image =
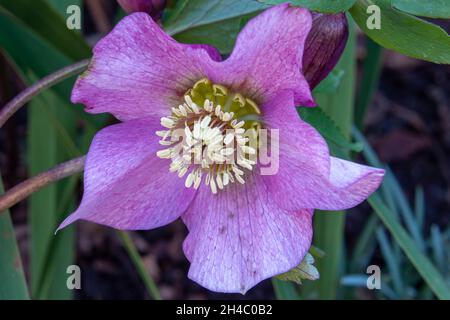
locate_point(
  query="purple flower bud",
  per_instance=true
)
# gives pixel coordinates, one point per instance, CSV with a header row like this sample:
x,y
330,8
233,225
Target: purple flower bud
x,y
153,7
324,46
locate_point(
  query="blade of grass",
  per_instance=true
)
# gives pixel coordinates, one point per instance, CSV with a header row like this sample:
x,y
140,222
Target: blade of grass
x,y
13,285
438,248
149,283
365,245
405,209
422,264
419,207
391,260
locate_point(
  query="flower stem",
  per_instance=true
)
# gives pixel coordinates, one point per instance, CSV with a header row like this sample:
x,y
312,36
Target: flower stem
x,y
24,189
149,283
22,98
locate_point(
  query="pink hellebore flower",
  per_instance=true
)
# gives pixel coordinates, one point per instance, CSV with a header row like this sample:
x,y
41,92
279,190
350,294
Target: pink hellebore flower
x,y
244,227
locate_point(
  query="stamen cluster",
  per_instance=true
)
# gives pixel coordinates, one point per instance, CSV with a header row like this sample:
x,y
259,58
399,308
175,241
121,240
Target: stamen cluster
x,y
207,141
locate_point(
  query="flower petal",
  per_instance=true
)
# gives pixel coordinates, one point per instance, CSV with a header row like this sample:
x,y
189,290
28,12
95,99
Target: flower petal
x,y
307,176
324,46
138,71
214,54
238,237
126,186
268,55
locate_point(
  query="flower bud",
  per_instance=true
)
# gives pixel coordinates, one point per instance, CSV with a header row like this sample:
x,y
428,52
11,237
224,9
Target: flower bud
x,y
153,7
324,46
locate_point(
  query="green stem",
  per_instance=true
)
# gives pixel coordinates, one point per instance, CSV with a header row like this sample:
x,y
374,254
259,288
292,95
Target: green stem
x,y
371,76
149,283
32,185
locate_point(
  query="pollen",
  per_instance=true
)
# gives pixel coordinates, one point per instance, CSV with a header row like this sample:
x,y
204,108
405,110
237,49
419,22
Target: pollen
x,y
211,137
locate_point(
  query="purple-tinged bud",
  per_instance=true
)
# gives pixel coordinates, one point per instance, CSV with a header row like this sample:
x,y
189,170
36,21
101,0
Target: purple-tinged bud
x,y
324,46
153,7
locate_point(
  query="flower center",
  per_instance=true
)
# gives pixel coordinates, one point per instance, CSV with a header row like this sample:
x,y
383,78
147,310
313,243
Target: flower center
x,y
212,134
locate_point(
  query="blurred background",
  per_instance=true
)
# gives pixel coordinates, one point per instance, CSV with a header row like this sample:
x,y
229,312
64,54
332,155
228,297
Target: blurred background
x,y
406,129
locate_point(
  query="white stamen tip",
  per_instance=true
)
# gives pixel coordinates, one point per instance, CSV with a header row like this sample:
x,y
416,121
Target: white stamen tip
x,y
248,150
213,186
164,154
167,122
189,180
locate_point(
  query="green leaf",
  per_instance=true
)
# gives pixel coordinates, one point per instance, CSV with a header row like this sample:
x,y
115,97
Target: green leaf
x,y
213,22
404,33
45,151
196,13
26,49
220,35
331,83
426,8
44,20
327,128
325,6
305,270
12,278
61,5
422,264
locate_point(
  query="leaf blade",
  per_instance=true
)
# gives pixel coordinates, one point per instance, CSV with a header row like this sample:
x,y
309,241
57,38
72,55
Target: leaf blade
x,y
13,285
404,33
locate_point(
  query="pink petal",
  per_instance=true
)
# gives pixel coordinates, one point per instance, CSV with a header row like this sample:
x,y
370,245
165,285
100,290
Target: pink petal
x,y
268,55
214,54
239,237
307,176
126,186
138,71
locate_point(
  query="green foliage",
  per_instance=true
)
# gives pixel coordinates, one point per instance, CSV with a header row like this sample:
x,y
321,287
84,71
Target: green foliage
x,y
422,264
404,33
285,290
305,270
26,40
43,19
426,8
45,149
12,278
328,129
325,6
331,83
212,22
412,244
370,77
